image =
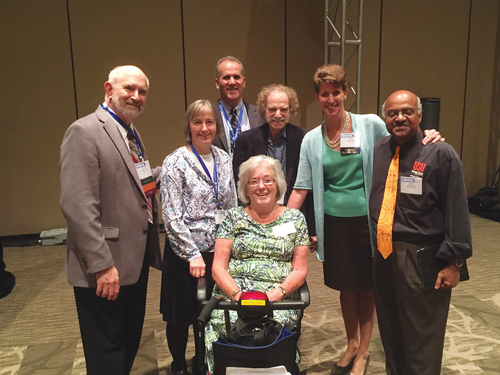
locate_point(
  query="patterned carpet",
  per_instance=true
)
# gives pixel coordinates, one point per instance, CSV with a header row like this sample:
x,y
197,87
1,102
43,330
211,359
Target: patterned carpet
x,y
39,329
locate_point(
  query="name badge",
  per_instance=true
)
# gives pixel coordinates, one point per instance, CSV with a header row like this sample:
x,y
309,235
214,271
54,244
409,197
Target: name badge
x,y
146,177
350,143
283,229
219,215
411,185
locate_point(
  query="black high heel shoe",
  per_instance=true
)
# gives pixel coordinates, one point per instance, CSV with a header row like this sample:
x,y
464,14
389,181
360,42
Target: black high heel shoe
x,y
366,365
342,370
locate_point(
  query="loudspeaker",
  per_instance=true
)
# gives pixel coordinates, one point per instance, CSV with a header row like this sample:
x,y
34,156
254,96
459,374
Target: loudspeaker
x,y
430,113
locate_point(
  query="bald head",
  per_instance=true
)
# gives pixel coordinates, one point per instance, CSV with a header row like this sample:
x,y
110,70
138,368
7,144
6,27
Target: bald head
x,y
118,72
403,113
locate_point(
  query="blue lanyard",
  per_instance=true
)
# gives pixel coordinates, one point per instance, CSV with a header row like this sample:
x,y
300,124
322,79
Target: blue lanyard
x,y
127,128
234,135
215,181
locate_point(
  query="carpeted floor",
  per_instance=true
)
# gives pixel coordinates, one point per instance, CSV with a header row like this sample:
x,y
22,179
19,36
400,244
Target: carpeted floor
x,y
39,331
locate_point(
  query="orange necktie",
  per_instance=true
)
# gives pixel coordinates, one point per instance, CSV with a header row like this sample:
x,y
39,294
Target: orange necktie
x,y
386,218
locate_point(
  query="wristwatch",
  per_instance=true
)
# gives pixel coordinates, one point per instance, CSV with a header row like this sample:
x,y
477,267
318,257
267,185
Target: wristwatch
x,y
282,290
459,262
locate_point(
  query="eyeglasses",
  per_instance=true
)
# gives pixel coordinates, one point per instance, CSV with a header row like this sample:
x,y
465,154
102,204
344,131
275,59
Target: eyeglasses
x,y
407,112
265,181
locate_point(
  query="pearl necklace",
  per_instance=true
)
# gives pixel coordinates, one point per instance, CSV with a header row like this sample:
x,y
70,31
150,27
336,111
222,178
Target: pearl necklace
x,y
336,143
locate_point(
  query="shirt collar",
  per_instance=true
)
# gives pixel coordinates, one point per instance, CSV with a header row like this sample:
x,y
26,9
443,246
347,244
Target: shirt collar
x,y
282,135
417,139
227,107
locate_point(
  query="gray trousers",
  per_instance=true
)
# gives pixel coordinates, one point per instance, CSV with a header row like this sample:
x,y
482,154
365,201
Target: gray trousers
x,y
412,321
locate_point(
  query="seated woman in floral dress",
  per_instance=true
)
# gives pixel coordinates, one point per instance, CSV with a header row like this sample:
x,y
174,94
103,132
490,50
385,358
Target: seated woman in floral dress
x,y
262,246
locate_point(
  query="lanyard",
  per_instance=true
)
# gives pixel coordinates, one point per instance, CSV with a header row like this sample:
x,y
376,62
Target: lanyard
x,y
215,181
127,128
234,135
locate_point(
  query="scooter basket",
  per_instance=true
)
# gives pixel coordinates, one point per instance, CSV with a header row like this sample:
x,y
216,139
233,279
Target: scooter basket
x,y
281,352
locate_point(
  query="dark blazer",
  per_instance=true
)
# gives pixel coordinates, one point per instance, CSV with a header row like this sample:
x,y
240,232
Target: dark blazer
x,y
254,118
104,204
254,142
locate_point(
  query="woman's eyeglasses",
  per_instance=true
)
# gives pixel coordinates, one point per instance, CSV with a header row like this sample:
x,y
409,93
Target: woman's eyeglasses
x,y
265,181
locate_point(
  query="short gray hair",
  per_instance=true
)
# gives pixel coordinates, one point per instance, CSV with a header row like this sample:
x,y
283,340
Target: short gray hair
x,y
228,58
118,72
248,168
193,110
419,107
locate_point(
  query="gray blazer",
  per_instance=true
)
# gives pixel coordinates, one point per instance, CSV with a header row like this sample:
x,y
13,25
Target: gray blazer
x,y
104,204
254,118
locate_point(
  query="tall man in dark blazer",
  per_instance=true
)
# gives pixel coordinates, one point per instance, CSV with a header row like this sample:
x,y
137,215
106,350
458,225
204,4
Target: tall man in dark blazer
x,y
108,200
234,115
276,138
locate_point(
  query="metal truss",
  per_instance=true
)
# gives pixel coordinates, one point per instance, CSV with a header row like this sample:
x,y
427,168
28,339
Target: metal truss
x,y
346,42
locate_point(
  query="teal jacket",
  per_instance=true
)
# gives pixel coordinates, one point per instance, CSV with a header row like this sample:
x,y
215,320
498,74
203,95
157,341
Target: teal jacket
x,y
310,172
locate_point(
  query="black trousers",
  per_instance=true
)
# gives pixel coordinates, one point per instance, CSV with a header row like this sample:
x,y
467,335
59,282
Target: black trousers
x,y
412,321
111,330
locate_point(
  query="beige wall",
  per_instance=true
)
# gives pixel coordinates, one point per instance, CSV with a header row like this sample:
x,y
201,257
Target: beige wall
x,y
423,49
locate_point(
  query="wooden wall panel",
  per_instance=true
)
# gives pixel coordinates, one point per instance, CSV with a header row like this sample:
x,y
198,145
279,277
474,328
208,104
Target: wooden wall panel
x,y
304,54
479,124
119,32
252,31
493,161
424,50
369,96
37,105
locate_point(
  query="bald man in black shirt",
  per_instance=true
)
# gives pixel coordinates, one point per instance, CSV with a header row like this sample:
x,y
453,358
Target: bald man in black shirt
x,y
431,211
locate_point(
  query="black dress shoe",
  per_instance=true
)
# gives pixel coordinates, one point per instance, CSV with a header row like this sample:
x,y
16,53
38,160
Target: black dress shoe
x,y
342,370
195,368
182,371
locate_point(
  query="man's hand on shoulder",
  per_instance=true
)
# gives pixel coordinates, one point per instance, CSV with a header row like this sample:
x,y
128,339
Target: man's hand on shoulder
x,y
448,277
108,283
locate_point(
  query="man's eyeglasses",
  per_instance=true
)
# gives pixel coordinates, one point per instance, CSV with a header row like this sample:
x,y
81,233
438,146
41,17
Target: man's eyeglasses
x,y
407,112
265,181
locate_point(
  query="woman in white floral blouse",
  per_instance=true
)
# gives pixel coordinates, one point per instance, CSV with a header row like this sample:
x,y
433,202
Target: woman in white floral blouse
x,y
197,187
262,246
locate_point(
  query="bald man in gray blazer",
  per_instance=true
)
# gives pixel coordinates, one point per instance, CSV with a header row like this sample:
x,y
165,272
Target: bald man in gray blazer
x,y
112,218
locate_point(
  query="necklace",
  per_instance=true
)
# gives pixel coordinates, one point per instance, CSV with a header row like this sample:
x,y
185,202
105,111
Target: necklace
x,y
336,143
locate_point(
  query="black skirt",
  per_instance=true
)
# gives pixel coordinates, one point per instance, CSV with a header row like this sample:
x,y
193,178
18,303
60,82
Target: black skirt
x,y
178,301
347,262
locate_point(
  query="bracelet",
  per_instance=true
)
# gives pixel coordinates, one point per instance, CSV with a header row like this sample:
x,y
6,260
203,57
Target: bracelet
x,y
282,289
235,293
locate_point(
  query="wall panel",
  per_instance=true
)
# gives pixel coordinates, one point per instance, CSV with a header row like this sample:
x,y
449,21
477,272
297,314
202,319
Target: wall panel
x,y
37,105
370,57
118,32
479,96
424,50
252,31
304,54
